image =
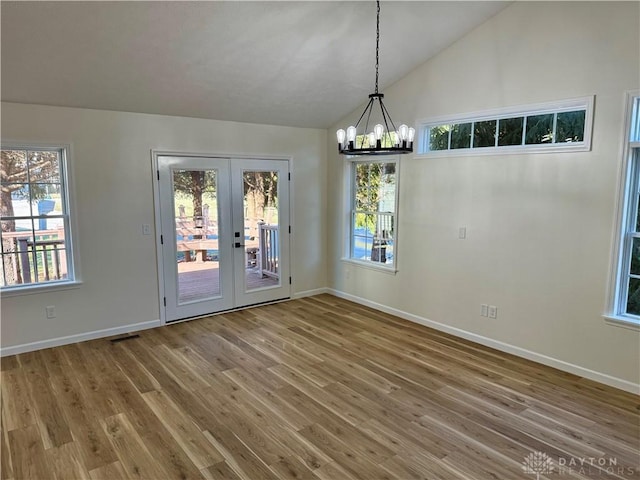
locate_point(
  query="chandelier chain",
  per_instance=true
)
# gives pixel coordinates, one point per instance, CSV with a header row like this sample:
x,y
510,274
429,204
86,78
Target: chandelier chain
x,y
377,41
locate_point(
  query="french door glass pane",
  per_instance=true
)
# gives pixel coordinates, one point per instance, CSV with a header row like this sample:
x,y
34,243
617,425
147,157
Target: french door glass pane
x,y
261,229
196,227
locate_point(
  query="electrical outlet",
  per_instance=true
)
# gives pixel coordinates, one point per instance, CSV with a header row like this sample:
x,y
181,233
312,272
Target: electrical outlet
x,y
146,229
484,310
493,311
50,311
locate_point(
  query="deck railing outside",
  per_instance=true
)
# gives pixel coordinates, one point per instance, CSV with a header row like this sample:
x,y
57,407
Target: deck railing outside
x,y
268,262
38,258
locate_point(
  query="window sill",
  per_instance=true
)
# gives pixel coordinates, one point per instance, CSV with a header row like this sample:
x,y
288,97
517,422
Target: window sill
x,y
510,150
622,322
32,289
391,270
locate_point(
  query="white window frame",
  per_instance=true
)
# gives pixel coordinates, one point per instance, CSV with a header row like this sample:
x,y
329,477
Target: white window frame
x,y
626,209
586,103
73,279
349,209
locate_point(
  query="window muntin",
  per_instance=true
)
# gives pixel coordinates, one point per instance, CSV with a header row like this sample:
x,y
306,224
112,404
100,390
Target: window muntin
x,y
560,126
372,226
34,215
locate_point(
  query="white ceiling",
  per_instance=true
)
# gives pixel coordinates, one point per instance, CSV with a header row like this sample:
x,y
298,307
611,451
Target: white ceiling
x,y
304,64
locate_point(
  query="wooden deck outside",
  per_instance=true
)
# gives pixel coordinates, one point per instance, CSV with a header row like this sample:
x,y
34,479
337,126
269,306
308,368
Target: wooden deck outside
x,y
197,280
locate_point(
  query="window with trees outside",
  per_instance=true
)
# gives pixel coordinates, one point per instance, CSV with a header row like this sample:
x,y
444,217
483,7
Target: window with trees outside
x,y
626,301
373,212
560,126
36,247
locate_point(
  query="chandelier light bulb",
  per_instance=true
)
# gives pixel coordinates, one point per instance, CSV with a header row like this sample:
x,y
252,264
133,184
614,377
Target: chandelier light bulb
x,y
351,134
378,131
403,131
411,135
341,134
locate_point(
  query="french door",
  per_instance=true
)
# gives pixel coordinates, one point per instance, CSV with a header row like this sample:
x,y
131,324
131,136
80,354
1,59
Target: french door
x,y
224,233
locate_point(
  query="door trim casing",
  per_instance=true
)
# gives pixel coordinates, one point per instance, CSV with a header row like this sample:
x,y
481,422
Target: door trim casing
x,y
155,153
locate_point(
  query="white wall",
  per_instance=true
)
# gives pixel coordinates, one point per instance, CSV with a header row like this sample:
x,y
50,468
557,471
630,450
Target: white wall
x,y
539,226
111,163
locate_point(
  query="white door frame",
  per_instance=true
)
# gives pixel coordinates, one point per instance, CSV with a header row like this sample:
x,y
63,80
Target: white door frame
x,y
157,218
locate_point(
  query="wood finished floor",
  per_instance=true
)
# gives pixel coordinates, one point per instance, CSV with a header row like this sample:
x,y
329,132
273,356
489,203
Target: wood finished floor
x,y
317,388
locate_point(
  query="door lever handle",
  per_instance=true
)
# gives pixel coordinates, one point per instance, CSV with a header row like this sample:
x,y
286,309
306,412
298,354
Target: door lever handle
x,y
239,245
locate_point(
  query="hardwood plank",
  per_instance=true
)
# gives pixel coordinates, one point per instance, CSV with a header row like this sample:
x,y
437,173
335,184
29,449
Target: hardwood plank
x,y
356,464
220,471
135,371
9,363
333,471
85,428
262,442
135,458
400,468
183,430
51,420
289,440
6,468
94,371
290,468
17,405
264,394
433,468
170,458
113,471
240,458
27,454
66,462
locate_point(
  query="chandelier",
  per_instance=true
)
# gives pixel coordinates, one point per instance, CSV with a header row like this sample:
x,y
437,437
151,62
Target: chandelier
x,y
382,140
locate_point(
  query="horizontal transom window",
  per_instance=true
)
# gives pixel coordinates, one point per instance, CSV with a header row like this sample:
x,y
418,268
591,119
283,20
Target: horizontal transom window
x,y
558,126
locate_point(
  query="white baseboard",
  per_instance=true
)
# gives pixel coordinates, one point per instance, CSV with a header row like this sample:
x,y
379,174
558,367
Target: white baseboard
x,y
503,347
80,337
310,293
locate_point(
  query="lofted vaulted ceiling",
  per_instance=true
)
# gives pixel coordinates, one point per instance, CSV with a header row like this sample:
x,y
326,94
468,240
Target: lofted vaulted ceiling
x,y
303,64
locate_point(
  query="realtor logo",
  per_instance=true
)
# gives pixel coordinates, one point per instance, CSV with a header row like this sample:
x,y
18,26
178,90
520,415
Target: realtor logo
x,y
537,463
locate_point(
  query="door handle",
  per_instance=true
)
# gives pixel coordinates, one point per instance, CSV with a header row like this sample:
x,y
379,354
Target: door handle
x,y
239,245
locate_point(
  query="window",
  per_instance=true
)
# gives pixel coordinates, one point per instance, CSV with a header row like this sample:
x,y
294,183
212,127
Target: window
x,y
626,292
35,236
373,212
561,126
